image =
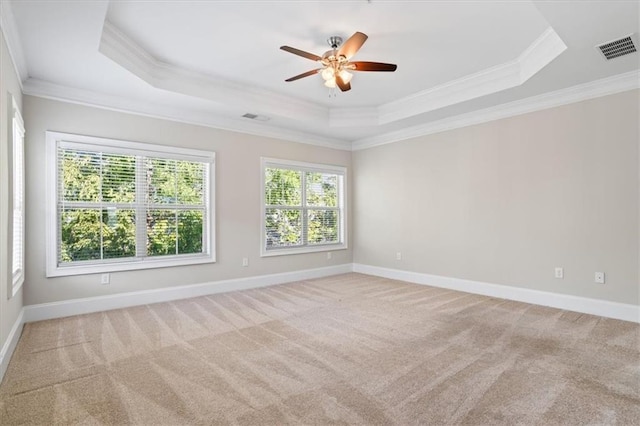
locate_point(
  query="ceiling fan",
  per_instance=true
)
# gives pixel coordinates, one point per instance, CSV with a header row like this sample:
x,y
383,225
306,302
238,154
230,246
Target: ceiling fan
x,y
335,62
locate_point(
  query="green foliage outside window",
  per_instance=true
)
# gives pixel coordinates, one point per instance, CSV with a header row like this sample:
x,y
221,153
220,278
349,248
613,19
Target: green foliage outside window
x,y
294,220
99,206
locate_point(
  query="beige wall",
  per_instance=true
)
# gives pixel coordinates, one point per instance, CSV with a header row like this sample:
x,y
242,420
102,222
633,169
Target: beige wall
x,y
503,202
237,199
9,86
507,201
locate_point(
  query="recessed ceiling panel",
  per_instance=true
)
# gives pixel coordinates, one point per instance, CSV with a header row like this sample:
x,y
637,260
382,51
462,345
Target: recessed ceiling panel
x,y
453,57
432,42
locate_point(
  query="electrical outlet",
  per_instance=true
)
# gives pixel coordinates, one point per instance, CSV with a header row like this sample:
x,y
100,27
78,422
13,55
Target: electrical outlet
x,y
329,255
599,277
245,261
559,273
398,256
104,279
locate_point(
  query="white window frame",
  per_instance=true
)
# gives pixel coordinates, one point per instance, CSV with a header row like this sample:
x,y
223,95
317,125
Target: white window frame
x,y
18,195
265,163
55,139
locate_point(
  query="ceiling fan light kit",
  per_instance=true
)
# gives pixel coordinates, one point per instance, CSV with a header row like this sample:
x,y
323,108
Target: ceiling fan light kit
x,y
335,62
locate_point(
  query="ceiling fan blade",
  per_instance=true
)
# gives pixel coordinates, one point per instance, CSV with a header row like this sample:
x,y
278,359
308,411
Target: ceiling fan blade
x,y
342,85
301,53
304,74
352,45
372,66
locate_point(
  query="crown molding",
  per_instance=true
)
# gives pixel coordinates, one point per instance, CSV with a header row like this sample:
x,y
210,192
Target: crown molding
x,y
12,37
44,89
510,74
594,89
598,88
540,53
469,87
132,57
118,47
124,51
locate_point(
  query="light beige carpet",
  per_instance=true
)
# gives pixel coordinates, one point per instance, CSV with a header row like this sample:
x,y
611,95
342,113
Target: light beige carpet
x,y
346,349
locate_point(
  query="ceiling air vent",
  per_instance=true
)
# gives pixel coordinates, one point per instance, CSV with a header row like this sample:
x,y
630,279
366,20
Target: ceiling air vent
x,y
615,48
256,117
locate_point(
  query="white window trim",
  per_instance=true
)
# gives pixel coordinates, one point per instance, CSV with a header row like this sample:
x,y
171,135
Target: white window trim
x,y
17,138
313,167
53,139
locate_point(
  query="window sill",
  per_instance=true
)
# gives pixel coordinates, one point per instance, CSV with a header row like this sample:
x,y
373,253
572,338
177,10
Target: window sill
x,y
302,250
63,271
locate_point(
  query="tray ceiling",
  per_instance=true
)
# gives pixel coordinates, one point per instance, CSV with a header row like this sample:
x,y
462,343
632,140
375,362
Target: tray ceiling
x,y
212,62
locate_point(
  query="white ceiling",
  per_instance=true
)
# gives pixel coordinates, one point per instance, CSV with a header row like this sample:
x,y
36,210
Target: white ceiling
x,y
210,62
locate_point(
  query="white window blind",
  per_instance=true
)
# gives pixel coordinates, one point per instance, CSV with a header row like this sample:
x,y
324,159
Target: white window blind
x,y
303,207
129,204
18,200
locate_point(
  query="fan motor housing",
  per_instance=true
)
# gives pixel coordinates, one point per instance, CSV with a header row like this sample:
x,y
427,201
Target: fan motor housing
x,y
334,41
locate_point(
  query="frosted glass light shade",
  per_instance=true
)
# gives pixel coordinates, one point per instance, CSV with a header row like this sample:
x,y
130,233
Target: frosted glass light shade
x,y
346,76
328,73
331,83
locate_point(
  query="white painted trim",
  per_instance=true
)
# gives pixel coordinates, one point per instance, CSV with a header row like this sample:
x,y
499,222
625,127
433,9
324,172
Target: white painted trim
x,y
30,313
56,140
45,311
121,49
10,344
341,171
135,148
482,83
594,89
130,264
48,90
12,38
604,308
303,165
66,308
538,55
512,73
17,144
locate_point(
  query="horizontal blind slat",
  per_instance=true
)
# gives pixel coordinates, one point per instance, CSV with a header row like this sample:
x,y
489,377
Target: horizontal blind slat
x,y
113,191
17,264
302,206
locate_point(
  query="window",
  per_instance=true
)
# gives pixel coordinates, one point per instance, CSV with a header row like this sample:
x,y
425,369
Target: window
x,y
17,144
303,207
117,205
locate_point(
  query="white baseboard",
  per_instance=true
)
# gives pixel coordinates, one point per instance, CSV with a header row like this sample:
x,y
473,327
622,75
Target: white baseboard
x,y
604,308
11,343
67,308
621,311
